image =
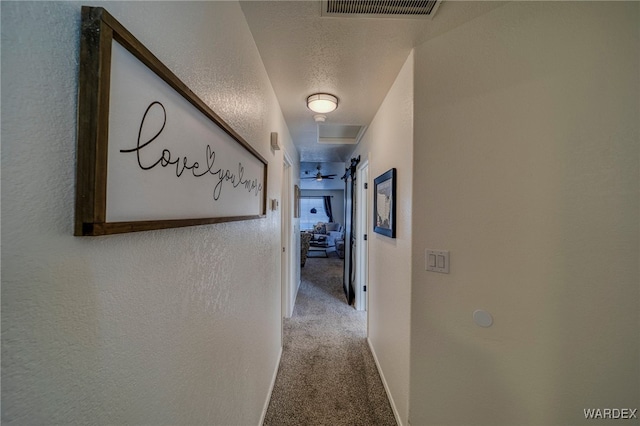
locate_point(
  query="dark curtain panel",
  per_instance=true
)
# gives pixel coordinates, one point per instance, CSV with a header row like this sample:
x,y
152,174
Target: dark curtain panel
x,y
327,207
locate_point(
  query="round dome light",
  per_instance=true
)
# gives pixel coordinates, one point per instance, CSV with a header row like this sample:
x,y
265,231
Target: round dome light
x,y
322,103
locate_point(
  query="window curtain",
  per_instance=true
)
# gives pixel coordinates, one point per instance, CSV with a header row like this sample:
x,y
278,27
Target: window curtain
x,y
327,207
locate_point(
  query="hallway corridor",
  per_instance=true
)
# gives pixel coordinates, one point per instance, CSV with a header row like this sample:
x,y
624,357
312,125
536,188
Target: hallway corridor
x,y
327,374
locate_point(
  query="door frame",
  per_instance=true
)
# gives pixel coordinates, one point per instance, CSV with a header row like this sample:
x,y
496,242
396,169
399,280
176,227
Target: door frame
x,y
286,217
362,247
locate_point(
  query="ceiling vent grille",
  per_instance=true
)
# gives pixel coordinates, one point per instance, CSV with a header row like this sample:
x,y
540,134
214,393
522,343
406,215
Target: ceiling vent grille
x,y
380,8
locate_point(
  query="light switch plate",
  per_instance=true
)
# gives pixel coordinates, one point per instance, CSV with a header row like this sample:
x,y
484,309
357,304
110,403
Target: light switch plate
x,y
437,261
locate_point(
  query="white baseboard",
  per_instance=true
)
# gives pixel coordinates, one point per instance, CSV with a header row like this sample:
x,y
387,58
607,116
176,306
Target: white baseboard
x,y
273,383
384,383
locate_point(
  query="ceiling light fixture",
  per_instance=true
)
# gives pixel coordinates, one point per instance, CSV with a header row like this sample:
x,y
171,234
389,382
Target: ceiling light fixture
x,y
322,103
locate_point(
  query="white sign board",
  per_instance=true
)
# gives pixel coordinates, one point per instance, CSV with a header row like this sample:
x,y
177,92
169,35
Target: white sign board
x,y
166,159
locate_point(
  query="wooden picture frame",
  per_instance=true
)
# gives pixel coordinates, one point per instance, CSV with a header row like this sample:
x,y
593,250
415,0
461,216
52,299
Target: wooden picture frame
x,y
151,154
384,204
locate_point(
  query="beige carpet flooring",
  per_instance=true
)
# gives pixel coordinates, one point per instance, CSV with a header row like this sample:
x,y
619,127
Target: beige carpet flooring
x,y
327,375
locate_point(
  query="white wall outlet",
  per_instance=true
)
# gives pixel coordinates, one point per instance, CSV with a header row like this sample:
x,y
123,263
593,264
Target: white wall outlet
x,y
437,261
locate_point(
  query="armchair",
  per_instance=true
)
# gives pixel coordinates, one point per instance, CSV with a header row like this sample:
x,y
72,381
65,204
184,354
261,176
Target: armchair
x,y
305,239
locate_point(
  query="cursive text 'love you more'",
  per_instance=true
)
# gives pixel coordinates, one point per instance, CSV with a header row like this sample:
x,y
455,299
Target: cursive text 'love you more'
x,y
183,164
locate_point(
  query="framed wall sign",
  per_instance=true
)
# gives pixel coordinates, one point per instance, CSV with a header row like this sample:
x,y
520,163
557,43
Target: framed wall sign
x,y
384,204
151,154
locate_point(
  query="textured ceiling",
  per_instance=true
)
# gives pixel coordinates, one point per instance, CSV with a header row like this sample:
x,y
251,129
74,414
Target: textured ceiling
x,y
355,59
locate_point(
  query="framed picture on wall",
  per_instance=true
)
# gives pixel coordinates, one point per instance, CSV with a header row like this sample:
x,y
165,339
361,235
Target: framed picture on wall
x,y
384,204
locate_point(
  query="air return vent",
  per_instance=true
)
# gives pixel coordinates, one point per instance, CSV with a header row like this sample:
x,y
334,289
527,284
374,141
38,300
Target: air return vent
x,y
340,134
380,8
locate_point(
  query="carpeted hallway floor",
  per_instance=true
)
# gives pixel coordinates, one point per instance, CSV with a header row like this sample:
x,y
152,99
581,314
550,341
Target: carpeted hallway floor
x,y
327,374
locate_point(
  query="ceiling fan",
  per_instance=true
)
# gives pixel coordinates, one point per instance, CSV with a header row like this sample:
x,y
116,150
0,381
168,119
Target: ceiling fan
x,y
318,176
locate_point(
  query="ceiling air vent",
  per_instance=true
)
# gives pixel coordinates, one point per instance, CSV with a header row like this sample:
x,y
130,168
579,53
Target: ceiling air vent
x,y
380,8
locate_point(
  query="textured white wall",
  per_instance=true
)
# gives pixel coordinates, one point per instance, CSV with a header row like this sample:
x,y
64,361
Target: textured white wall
x,y
177,326
527,169
388,143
